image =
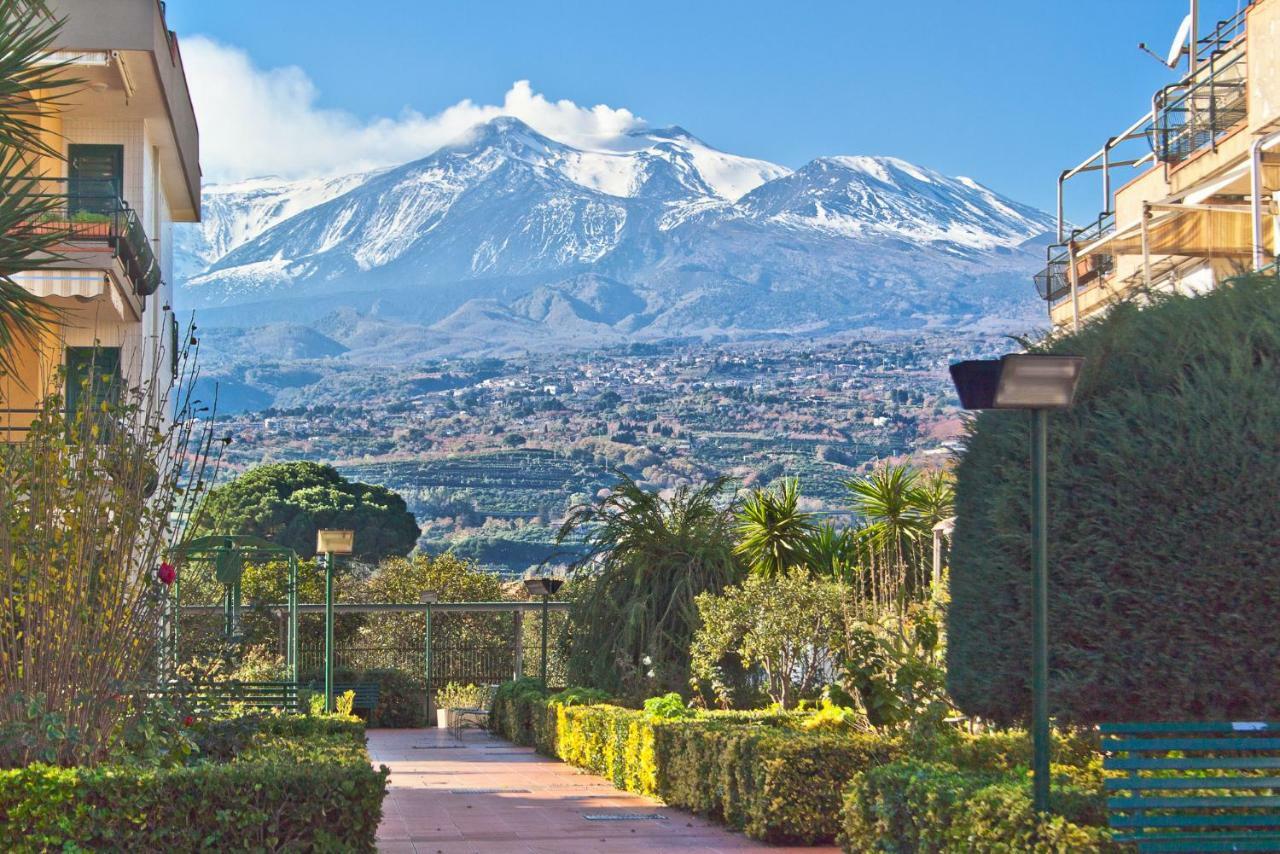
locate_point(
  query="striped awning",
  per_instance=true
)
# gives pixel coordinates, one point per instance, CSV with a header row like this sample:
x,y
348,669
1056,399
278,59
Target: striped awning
x,y
85,284
1197,234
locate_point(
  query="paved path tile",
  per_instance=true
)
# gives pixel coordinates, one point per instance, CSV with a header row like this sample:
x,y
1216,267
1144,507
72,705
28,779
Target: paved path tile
x,y
492,797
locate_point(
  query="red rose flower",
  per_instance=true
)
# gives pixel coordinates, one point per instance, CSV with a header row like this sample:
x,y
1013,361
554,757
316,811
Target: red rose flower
x,y
167,573
188,720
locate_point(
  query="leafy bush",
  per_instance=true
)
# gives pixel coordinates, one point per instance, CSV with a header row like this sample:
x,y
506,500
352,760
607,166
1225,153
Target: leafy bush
x,y
580,697
919,806
458,696
792,626
1165,568
288,783
667,707
401,698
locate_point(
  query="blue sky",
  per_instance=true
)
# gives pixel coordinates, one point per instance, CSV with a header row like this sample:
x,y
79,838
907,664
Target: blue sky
x,y
1006,92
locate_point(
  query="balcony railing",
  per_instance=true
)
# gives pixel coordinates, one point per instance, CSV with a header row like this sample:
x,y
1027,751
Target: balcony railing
x,y
1054,281
15,424
93,212
1195,113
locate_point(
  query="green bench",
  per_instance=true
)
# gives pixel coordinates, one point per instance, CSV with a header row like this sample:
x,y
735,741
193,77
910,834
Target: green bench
x,y
257,696
366,693
1194,786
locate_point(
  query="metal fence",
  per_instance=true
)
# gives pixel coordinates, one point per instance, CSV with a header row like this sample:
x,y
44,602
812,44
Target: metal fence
x,y
477,664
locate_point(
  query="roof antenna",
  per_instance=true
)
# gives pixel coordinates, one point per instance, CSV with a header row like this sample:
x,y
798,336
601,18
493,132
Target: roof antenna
x,y
1184,43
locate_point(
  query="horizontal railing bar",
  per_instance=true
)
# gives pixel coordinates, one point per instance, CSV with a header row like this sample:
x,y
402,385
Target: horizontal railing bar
x,y
404,608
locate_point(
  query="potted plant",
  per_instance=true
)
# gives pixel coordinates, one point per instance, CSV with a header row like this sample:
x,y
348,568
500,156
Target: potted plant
x,y
456,696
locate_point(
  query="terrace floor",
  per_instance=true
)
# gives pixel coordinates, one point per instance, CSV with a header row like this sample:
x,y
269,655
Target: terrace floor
x,y
487,795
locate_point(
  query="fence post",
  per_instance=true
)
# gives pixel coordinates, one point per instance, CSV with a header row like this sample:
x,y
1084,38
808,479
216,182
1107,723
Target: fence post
x,y
519,644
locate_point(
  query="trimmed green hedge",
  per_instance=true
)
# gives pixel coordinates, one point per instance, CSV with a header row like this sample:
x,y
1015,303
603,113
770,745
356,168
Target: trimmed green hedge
x,y
746,769
761,773
1164,577
292,784
914,806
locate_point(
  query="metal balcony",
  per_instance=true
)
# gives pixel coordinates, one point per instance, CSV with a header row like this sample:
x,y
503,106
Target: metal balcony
x,y
1053,283
85,213
1195,113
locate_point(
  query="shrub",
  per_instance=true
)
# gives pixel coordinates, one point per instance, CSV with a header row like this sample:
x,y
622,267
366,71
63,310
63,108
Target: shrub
x,y
667,707
918,806
457,696
791,625
756,771
290,783
401,698
1165,573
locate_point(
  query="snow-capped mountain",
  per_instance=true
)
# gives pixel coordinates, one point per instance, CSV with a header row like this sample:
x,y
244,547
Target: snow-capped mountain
x,y
508,239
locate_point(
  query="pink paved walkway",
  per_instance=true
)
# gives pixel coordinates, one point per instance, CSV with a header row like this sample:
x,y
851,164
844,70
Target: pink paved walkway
x,y
487,795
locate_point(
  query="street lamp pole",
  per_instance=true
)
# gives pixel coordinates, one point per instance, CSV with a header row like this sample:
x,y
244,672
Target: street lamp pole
x,y
545,611
1037,382
1040,610
328,632
330,543
545,587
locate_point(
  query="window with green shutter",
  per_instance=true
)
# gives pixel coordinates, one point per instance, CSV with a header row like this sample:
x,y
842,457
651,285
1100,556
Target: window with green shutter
x,y
93,371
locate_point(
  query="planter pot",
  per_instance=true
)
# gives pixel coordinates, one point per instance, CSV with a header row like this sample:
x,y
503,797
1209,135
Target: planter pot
x,y
442,718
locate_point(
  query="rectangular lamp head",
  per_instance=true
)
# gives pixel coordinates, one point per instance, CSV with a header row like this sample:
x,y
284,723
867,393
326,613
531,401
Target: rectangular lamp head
x,y
542,586
330,541
1018,381
1037,381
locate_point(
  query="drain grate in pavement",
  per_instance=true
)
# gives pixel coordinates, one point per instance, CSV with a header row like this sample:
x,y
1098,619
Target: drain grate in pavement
x,y
484,791
623,816
436,746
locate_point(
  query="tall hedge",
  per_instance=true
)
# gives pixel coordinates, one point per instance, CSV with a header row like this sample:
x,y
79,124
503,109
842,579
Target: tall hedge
x,y
1164,532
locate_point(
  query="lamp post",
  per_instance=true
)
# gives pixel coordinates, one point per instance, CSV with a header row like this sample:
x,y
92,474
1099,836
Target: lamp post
x,y
1036,382
429,598
544,587
330,543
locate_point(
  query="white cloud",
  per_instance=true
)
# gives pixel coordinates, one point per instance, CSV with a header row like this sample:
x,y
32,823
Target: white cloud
x,y
256,121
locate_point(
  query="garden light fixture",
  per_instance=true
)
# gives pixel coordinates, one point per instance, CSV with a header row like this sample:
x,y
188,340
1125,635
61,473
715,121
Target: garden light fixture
x,y
545,587
329,543
1036,382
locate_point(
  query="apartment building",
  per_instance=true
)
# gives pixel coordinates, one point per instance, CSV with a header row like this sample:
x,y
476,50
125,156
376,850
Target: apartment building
x,y
1206,150
129,170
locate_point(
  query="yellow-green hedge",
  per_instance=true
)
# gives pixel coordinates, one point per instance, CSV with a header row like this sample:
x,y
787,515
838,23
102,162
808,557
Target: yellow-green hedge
x,y
759,772
746,769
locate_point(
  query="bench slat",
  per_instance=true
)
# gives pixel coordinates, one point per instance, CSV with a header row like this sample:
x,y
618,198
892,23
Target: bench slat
x,y
1183,727
1190,763
1193,820
1131,745
1137,783
1190,801
1162,844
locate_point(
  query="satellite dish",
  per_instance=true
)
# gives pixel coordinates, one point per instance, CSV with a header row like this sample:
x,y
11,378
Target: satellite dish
x,y
1179,41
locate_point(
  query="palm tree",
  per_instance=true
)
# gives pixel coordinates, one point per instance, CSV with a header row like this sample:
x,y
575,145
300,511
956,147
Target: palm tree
x,y
899,507
888,502
31,89
646,559
773,533
935,497
833,553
